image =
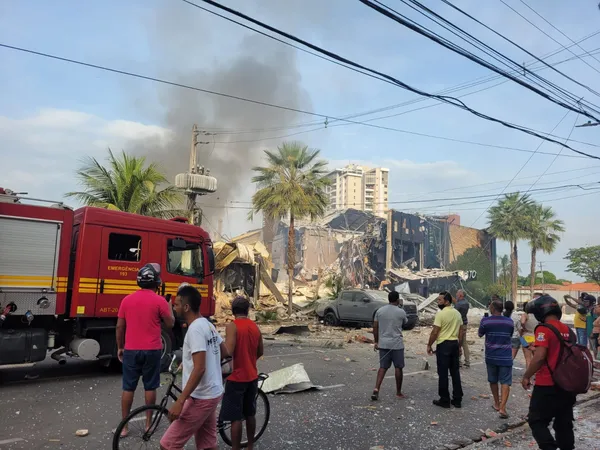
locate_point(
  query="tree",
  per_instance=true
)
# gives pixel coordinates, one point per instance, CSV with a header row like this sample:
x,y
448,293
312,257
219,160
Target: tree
x,y
292,186
543,229
504,271
585,262
475,259
508,221
127,184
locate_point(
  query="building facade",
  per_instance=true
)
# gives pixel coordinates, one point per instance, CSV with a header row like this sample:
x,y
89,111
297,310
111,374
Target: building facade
x,y
358,187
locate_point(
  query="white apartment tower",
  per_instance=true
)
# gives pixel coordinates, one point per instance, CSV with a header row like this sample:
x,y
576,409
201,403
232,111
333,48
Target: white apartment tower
x,y
360,188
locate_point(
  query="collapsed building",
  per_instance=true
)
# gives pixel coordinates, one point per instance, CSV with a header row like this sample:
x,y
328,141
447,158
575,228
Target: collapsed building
x,y
428,253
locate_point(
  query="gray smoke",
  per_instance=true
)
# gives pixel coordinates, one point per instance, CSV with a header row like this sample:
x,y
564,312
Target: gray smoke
x,y
255,68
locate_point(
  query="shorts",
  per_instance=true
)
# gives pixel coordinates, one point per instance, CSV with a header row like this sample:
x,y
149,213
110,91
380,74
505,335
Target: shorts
x,y
516,343
239,400
199,419
386,357
582,336
141,363
499,374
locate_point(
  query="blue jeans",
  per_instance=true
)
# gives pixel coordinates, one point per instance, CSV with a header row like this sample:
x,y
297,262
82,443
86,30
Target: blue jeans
x,y
582,337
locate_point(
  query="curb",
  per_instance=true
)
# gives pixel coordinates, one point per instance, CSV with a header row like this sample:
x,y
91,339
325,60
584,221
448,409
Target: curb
x,y
503,431
312,343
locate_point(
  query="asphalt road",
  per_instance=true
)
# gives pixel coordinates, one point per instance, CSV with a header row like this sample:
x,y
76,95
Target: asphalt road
x,y
45,413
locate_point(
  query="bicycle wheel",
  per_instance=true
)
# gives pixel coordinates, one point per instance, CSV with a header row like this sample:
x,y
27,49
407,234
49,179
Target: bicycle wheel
x,y
138,437
263,412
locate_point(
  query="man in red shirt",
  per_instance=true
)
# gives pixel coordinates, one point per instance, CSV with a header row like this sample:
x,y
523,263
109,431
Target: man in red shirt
x,y
244,341
139,341
548,401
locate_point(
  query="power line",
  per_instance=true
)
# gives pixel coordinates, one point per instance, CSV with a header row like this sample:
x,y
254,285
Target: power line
x,y
456,88
559,30
538,28
402,20
482,46
447,2
450,100
258,102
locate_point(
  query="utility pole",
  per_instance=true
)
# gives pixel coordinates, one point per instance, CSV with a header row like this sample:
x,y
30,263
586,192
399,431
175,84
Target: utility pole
x,y
542,272
196,181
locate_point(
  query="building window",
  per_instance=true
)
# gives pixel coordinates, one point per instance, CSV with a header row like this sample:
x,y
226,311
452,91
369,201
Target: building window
x,y
124,247
186,261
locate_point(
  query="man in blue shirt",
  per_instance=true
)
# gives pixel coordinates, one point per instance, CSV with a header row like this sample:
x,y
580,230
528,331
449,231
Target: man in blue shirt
x,y
498,331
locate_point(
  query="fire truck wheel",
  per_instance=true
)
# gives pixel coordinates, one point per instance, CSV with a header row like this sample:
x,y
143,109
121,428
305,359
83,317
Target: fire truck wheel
x,y
167,338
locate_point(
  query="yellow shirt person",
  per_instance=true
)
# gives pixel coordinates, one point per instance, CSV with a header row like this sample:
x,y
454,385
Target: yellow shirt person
x,y
449,320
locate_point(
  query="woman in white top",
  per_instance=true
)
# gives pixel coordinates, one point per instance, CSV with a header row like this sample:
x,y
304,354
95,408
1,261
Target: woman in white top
x,y
528,322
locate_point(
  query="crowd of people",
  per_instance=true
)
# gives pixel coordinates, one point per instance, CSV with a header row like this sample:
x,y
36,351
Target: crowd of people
x,y
538,331
141,316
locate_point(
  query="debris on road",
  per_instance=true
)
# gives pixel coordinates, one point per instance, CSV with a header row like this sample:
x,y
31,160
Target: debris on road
x,y
297,330
82,433
288,380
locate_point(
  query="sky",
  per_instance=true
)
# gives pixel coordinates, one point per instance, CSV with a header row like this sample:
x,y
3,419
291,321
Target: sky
x,y
54,114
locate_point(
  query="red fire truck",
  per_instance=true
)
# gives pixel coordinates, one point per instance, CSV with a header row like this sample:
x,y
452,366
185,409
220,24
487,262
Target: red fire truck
x,y
63,274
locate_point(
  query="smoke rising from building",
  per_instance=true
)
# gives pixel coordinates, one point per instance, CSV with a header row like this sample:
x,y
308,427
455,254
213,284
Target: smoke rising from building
x,y
255,68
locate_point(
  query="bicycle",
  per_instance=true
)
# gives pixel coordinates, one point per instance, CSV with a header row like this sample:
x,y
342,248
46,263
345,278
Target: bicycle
x,y
157,416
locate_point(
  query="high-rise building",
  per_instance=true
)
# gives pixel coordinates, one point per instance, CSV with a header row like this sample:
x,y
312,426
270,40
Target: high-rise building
x,y
359,187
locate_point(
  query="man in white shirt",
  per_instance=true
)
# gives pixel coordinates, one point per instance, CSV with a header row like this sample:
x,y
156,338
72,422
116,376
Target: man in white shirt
x,y
194,412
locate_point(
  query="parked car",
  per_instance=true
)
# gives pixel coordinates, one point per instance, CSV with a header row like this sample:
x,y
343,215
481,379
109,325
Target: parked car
x,y
358,306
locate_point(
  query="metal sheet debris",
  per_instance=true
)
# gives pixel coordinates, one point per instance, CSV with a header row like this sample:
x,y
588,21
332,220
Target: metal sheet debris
x,y
288,380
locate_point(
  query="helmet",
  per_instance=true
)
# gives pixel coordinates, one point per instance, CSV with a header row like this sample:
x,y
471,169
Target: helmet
x,y
148,276
542,307
589,298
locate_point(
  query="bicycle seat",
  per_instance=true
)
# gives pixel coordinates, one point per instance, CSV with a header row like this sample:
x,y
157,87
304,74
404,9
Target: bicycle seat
x,y
262,376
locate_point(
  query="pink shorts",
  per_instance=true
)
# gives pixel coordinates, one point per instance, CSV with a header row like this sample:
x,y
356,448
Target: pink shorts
x,y
199,419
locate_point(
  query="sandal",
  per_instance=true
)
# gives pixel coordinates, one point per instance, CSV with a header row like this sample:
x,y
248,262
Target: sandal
x,y
375,395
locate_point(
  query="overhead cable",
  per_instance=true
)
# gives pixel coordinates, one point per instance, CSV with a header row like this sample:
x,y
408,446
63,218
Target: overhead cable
x,y
271,105
450,100
402,20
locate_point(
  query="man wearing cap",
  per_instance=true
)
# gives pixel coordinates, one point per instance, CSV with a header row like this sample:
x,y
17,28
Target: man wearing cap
x,y
139,340
243,340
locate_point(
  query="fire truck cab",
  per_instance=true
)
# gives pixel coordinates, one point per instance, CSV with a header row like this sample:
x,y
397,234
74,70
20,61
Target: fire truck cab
x,y
63,274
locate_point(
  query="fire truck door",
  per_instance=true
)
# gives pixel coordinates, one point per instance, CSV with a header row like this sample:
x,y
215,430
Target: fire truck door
x,y
123,253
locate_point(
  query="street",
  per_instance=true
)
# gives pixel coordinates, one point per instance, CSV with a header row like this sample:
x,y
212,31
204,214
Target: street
x,y
45,413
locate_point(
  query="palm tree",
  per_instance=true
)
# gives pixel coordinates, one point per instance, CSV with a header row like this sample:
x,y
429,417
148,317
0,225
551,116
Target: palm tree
x,y
543,234
509,222
292,185
504,271
127,184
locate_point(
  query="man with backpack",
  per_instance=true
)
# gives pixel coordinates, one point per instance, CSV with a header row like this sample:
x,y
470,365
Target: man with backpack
x,y
562,370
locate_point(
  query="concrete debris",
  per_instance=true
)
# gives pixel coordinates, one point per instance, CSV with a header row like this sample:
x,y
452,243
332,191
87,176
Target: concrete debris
x,y
82,433
297,330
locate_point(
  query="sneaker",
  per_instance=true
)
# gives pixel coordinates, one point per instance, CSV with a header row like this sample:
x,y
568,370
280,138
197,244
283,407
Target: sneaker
x,y
375,395
441,404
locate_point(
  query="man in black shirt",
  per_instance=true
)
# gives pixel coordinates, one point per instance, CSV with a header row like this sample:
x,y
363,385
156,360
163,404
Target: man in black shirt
x,y
462,306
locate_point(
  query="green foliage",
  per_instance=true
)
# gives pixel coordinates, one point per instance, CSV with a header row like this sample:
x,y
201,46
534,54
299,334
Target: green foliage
x,y
497,289
266,316
127,184
503,275
585,262
475,258
335,284
549,278
509,217
292,184
543,228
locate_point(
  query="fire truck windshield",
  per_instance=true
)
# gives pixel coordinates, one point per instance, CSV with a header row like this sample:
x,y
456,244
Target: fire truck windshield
x,y
186,262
